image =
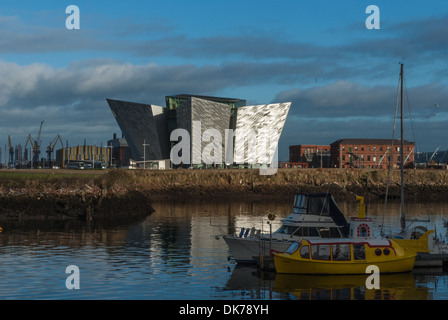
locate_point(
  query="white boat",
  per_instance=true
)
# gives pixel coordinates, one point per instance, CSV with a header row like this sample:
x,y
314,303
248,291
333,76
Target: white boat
x,y
314,215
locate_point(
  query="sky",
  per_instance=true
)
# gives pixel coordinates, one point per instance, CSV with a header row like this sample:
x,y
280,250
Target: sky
x,y
340,76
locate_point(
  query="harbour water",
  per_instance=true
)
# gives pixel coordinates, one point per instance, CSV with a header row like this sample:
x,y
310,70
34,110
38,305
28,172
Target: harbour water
x,y
176,254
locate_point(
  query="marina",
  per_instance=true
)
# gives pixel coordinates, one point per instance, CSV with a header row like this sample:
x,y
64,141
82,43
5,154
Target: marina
x,y
173,254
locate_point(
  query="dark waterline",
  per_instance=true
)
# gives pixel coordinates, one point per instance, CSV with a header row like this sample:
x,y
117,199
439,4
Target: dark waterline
x,y
173,254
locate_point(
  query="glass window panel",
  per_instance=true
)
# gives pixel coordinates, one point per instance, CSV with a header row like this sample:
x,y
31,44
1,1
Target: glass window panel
x,y
305,252
359,252
321,252
341,252
293,248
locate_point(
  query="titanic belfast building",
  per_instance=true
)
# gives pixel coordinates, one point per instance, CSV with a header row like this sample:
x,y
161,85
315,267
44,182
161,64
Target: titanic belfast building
x,y
194,131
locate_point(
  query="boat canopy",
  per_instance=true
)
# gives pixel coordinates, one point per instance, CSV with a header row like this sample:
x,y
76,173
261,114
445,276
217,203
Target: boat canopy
x,y
322,204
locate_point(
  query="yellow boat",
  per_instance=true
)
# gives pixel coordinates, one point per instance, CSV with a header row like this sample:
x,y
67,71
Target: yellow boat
x,y
345,256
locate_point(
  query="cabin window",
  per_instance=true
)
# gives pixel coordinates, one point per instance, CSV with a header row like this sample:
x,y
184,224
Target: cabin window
x,y
286,230
300,203
341,252
378,252
307,232
334,233
363,230
331,232
293,248
359,252
386,251
305,252
321,252
324,232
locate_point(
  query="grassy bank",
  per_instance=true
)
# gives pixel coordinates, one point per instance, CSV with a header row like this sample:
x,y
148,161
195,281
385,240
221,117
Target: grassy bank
x,y
118,194
220,183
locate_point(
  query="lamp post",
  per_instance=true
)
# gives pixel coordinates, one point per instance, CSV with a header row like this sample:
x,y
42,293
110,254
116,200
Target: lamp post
x,y
144,153
110,154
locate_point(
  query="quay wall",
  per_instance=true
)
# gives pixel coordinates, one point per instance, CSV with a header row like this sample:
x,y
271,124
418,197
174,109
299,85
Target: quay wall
x,y
111,193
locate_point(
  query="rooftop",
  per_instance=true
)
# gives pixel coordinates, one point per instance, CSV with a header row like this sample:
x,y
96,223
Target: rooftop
x,y
371,141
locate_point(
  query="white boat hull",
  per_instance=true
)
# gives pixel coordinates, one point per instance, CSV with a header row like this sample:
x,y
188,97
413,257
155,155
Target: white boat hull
x,y
245,249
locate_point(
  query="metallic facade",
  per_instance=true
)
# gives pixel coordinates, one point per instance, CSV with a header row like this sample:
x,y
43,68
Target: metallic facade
x,y
197,116
221,131
141,124
258,130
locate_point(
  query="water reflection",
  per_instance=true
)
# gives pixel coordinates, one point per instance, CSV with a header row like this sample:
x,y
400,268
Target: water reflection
x,y
349,287
173,254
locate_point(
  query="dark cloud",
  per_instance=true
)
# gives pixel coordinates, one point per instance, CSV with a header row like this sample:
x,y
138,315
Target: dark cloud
x,y
337,91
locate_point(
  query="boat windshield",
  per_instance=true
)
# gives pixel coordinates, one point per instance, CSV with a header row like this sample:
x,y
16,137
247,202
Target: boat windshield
x,y
286,230
300,203
293,248
316,205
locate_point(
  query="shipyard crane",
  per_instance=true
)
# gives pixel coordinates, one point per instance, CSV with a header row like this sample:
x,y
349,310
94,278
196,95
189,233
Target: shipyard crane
x,y
50,149
429,161
407,158
35,144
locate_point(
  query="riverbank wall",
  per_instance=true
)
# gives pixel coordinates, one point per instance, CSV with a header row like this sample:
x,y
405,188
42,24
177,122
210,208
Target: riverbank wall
x,y
111,193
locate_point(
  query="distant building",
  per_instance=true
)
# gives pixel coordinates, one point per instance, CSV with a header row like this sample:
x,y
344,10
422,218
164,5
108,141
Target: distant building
x,y
121,153
370,153
221,131
314,156
82,154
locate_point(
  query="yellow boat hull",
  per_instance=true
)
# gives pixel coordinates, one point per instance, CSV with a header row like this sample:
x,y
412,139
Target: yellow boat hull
x,y
324,257
287,265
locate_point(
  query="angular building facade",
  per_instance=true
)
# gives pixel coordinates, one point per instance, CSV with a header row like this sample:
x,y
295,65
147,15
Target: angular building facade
x,y
258,130
196,116
219,131
144,127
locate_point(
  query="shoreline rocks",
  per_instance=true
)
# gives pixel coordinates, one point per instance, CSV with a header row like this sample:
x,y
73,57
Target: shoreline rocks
x,y
119,193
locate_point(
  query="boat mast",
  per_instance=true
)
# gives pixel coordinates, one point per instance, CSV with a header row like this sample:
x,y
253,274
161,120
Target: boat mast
x,y
402,219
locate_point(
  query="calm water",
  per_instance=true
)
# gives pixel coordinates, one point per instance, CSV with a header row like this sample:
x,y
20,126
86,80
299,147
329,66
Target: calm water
x,y
173,254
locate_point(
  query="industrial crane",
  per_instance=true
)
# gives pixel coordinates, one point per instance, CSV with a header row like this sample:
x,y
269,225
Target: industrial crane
x,y
435,152
50,149
35,144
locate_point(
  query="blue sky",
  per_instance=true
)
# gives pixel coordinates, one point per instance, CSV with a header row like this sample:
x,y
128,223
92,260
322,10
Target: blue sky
x,y
340,77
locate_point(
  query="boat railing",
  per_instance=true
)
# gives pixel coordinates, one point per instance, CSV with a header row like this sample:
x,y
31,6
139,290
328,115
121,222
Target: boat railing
x,y
249,233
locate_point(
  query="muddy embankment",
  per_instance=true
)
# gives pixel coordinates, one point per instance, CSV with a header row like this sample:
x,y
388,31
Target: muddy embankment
x,y
129,193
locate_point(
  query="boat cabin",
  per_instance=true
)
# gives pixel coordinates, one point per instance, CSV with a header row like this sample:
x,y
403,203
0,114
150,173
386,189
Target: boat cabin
x,y
315,215
344,250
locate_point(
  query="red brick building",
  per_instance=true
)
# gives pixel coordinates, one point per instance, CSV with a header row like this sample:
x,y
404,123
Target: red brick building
x,y
313,155
370,153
